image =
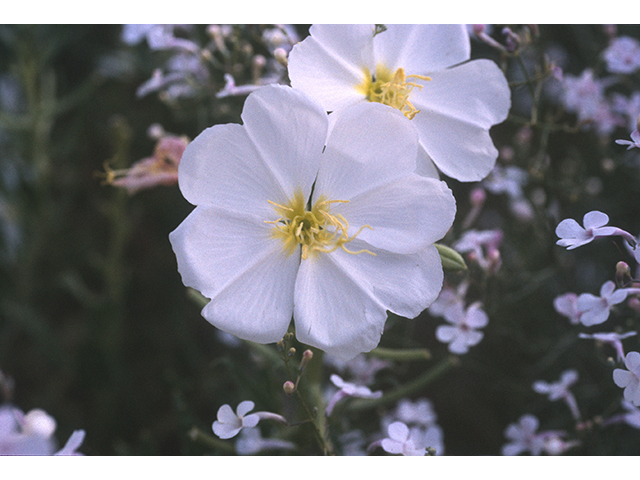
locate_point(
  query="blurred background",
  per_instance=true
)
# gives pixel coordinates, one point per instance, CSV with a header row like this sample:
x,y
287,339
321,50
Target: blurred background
x,y
97,329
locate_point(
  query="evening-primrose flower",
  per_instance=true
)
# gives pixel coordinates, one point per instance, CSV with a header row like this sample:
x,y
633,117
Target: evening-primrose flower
x,y
332,229
421,70
629,379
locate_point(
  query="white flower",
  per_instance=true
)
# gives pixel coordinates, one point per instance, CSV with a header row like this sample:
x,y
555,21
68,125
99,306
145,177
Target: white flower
x,y
595,310
347,389
560,390
567,305
411,68
362,369
482,245
629,379
229,424
402,441
462,334
572,235
333,230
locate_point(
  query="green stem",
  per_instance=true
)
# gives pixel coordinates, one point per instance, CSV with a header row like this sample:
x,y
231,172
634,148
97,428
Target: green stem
x,y
401,355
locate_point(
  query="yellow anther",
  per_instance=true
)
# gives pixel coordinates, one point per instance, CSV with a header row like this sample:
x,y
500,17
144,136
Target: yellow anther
x,y
315,230
391,89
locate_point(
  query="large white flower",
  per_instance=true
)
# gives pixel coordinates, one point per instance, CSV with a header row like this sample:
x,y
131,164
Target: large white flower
x,y
420,70
333,229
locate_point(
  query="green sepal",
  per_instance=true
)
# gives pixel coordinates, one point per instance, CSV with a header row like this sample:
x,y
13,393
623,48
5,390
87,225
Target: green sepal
x,y
451,260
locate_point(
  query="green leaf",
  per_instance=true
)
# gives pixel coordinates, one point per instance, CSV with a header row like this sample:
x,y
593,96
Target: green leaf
x,y
451,260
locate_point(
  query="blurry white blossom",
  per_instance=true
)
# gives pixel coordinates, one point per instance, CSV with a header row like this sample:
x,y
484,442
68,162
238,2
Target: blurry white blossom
x,y
251,442
403,441
32,434
560,390
629,379
524,437
595,310
348,389
482,247
611,338
633,143
449,296
361,369
567,305
623,55
462,333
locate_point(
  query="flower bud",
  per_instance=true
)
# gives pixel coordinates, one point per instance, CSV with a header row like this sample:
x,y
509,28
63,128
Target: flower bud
x,y
307,355
280,54
291,352
622,273
289,387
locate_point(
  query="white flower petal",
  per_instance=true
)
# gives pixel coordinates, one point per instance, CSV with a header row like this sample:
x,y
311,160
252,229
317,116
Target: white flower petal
x,y
420,49
457,109
244,407
446,333
595,219
331,62
632,361
250,421
417,212
476,317
459,345
233,260
569,228
370,145
226,414
398,431
222,167
622,378
289,131
392,446
332,313
341,299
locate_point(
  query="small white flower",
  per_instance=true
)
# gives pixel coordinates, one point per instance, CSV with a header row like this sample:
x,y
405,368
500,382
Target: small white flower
x,y
229,424
629,379
572,235
421,70
402,441
567,305
419,412
595,310
347,389
462,334
448,297
560,390
482,245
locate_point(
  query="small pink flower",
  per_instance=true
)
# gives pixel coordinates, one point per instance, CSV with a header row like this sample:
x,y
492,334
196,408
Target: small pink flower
x,y
348,390
159,169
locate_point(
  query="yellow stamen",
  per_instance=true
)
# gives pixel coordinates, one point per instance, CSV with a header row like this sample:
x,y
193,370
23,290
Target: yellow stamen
x,y
316,230
391,89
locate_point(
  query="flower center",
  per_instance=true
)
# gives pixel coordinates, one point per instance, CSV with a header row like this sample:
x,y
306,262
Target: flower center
x,y
315,230
391,89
